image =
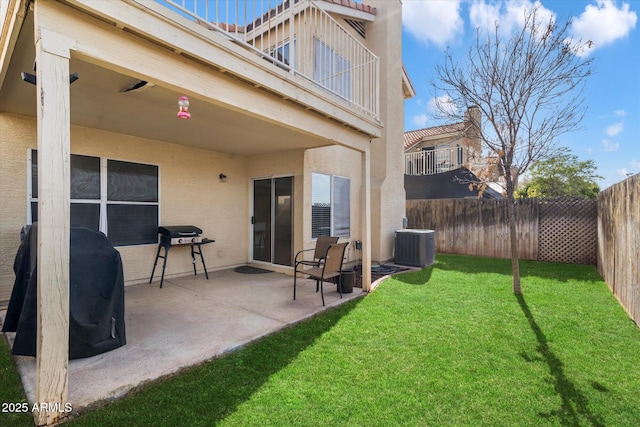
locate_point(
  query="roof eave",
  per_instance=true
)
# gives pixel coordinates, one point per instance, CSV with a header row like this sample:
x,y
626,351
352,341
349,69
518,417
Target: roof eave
x,y
408,89
348,11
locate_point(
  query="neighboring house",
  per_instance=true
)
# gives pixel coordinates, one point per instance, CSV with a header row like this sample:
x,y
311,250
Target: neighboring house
x,y
291,133
453,184
441,161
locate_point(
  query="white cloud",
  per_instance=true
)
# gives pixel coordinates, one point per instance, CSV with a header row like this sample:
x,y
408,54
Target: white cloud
x,y
420,120
635,164
509,14
603,23
610,146
436,21
620,113
615,129
442,105
622,172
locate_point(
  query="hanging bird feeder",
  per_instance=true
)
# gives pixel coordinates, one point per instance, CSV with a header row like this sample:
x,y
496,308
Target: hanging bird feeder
x,y
183,103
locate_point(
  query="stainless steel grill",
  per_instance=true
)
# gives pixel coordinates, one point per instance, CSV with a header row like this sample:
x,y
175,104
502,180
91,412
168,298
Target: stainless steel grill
x,y
180,235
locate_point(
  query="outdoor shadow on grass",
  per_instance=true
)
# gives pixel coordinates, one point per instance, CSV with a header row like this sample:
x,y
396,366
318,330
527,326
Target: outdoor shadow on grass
x,y
209,393
574,405
542,269
420,277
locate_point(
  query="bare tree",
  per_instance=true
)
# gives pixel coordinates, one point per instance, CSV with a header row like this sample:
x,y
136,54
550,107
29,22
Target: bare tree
x,y
529,90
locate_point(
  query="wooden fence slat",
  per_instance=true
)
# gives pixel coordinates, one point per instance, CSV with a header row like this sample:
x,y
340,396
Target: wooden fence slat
x,y
605,232
619,242
560,231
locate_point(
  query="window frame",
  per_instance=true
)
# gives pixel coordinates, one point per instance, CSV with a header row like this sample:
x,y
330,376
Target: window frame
x,y
331,69
333,203
282,53
103,201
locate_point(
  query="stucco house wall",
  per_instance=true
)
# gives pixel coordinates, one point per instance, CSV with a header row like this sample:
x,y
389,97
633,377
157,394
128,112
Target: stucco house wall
x,y
190,193
343,162
384,37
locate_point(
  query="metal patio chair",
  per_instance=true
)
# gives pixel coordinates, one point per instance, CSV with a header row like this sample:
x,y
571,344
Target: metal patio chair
x,y
331,267
322,245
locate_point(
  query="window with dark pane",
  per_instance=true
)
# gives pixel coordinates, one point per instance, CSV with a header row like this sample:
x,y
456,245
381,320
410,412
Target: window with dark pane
x,y
130,205
34,174
132,224
131,182
84,185
86,215
85,177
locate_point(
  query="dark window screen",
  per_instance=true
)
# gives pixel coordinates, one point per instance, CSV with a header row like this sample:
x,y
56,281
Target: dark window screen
x,y
34,174
82,215
85,177
131,182
126,181
85,215
34,211
132,224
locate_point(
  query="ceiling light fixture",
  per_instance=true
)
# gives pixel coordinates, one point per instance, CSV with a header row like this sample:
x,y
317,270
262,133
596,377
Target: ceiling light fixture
x,y
137,86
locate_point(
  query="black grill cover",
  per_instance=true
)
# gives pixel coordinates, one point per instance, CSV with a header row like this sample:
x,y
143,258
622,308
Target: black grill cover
x,y
96,296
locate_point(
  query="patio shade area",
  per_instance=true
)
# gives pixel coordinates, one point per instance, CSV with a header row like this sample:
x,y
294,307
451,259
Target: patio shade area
x,y
187,322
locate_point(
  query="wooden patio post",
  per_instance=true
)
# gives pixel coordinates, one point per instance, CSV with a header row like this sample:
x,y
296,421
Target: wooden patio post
x,y
53,105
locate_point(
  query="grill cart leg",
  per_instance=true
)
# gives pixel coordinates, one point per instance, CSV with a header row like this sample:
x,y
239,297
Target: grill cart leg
x,y
193,258
155,264
164,264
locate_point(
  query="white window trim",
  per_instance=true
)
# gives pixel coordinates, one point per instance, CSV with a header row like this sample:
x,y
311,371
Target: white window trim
x,y
332,203
103,192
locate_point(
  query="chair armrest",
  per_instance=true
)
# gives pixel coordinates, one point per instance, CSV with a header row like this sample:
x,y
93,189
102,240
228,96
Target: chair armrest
x,y
304,250
309,262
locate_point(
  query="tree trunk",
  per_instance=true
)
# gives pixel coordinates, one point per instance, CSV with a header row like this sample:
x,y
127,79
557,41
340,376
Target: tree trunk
x,y
513,220
515,266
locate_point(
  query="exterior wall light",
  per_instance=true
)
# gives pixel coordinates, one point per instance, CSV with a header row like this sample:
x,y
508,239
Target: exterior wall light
x,y
183,103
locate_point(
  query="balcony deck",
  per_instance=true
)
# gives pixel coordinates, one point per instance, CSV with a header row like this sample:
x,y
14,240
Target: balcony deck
x,y
440,160
323,52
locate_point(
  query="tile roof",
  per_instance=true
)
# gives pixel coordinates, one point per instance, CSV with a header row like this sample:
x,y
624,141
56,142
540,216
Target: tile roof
x,y
412,137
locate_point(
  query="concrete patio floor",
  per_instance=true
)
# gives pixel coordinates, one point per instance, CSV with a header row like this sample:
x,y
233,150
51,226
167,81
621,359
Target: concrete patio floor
x,y
189,321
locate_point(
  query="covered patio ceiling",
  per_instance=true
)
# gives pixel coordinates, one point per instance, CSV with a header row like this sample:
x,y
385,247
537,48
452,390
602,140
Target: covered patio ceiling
x,y
98,101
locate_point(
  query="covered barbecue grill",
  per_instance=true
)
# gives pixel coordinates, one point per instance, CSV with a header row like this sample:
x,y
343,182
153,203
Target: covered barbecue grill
x,y
180,235
96,295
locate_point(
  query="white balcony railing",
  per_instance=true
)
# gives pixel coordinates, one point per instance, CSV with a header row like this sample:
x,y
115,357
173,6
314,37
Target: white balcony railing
x,y
322,50
429,162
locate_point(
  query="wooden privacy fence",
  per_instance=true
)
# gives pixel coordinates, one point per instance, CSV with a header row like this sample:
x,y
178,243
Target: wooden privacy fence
x,y
619,242
558,230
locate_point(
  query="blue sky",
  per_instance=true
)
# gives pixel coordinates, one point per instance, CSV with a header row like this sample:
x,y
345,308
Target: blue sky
x,y
610,131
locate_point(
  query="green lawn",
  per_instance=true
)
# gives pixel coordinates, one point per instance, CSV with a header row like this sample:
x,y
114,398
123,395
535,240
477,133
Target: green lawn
x,y
448,346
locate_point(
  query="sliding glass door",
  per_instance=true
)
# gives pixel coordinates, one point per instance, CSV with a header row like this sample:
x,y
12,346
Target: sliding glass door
x,y
272,220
